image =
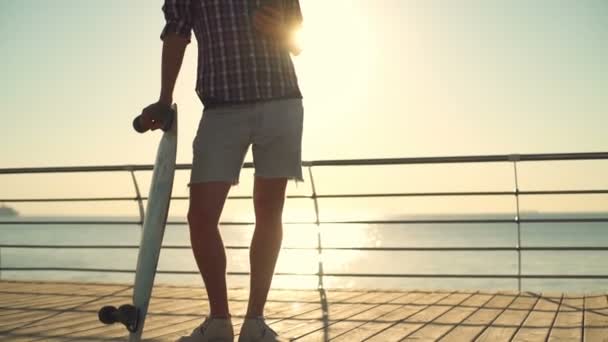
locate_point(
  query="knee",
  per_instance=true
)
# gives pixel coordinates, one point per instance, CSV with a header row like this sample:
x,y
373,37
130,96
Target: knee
x,y
201,221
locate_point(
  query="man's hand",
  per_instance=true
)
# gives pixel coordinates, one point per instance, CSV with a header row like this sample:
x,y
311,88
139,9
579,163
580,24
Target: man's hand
x,y
154,116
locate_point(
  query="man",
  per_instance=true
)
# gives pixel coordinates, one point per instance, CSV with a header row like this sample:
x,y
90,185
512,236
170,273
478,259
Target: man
x,y
248,86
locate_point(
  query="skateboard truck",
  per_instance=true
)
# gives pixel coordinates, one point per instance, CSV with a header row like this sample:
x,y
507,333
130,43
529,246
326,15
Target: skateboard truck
x,y
126,314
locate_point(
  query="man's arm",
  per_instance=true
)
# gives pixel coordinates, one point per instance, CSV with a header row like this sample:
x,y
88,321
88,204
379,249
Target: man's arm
x,y
174,47
175,36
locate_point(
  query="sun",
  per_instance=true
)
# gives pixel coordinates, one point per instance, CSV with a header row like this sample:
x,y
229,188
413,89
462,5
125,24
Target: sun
x,y
297,40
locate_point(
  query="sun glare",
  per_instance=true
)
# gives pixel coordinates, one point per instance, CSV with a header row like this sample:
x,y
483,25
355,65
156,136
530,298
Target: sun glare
x,y
297,39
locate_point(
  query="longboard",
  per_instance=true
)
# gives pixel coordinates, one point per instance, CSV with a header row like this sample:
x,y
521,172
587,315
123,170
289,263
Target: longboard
x,y
133,315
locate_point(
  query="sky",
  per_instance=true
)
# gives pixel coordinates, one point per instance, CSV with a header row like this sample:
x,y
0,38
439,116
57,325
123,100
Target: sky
x,y
380,78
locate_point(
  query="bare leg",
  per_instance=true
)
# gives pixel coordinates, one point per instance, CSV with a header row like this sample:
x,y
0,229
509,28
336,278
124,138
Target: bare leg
x,y
206,204
268,198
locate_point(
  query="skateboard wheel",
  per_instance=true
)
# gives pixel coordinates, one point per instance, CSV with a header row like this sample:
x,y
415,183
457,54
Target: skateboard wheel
x,y
128,311
137,126
107,314
126,314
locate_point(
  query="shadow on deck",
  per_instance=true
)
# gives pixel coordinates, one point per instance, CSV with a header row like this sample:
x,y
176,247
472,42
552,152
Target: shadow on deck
x,y
52,311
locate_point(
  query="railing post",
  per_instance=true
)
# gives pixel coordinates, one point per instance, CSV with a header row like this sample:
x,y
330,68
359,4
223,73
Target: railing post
x,y
515,158
320,285
138,198
318,225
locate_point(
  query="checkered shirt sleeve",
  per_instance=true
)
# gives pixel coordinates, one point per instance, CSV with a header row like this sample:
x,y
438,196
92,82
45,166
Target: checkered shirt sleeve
x,y
178,17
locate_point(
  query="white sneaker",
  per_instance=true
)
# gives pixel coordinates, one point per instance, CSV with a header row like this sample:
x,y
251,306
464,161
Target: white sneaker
x,y
211,330
256,330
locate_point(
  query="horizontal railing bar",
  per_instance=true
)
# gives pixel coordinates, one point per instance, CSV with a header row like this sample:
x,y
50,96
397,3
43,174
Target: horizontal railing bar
x,y
564,220
407,194
371,249
514,220
563,192
468,249
358,275
368,222
20,222
499,276
469,193
75,199
102,199
70,169
463,159
348,162
121,223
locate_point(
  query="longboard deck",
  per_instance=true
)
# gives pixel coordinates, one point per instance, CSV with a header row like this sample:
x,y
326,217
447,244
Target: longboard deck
x,y
155,220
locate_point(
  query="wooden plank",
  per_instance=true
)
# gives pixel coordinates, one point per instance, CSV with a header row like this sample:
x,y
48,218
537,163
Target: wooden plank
x,y
417,312
537,325
275,312
453,318
297,295
362,332
509,321
335,314
62,323
444,323
7,312
183,327
71,319
282,309
387,297
67,319
180,293
60,288
299,325
596,318
28,316
24,300
340,326
92,327
55,302
115,331
68,312
399,312
91,322
355,322
8,298
569,321
88,321
474,325
433,298
431,312
396,332
88,330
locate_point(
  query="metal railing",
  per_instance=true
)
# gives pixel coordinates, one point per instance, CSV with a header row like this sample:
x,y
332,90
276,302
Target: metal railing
x,y
517,220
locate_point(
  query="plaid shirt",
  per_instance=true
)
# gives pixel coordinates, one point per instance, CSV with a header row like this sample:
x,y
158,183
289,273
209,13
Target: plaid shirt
x,y
235,63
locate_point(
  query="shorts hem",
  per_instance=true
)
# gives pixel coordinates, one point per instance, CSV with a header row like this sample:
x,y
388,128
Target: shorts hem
x,y
297,178
232,182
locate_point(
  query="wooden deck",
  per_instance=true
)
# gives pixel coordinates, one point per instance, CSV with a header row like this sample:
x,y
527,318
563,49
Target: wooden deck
x,y
35,311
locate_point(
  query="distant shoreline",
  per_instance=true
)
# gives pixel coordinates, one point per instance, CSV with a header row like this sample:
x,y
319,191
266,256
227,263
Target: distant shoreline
x,y
525,214
8,211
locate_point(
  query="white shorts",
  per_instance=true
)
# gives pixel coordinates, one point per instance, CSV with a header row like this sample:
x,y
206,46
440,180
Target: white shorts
x,y
273,128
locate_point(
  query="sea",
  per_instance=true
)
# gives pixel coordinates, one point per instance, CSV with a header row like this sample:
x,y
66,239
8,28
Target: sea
x,y
301,255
